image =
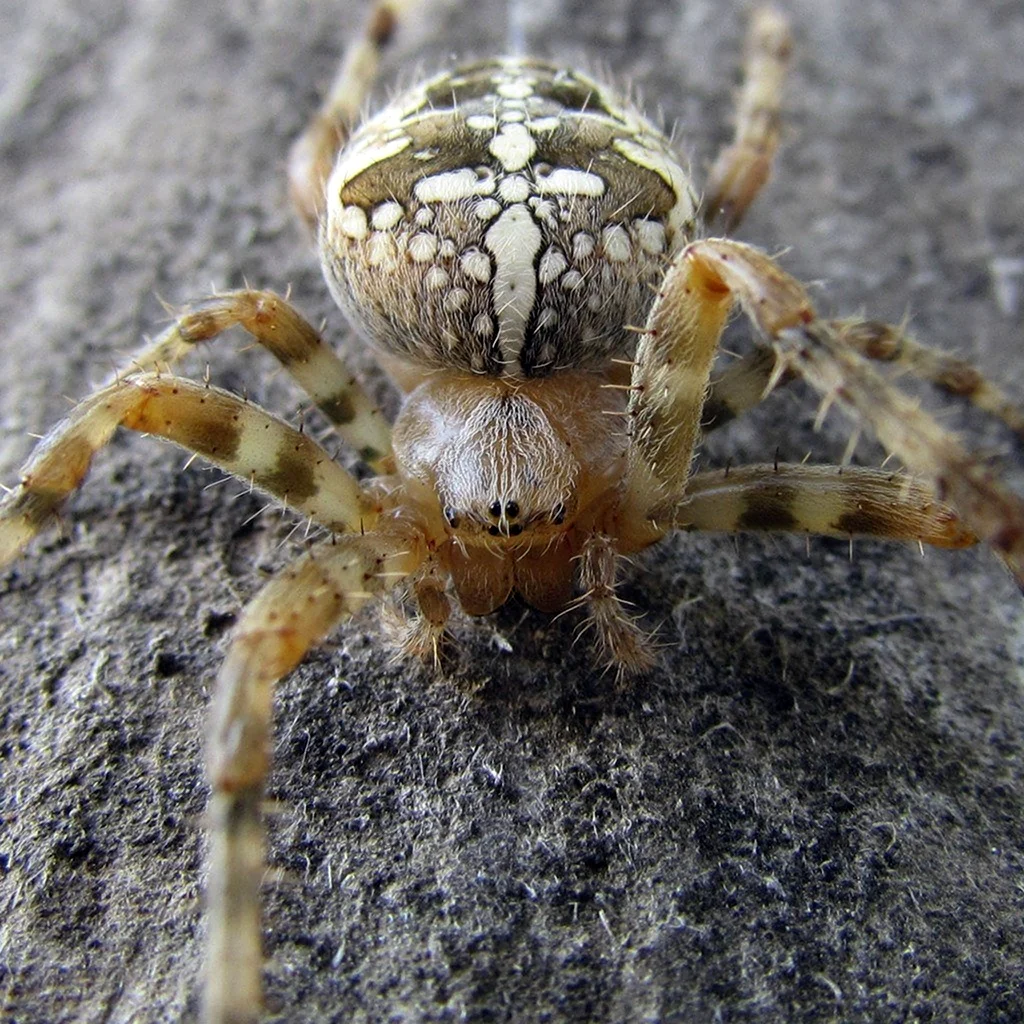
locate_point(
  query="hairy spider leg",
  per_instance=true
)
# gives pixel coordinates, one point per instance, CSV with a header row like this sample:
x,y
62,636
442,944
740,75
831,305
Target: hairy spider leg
x,y
741,386
742,168
670,378
829,501
312,155
623,642
669,382
238,437
819,353
422,633
279,327
736,178
294,611
892,344
746,381
705,279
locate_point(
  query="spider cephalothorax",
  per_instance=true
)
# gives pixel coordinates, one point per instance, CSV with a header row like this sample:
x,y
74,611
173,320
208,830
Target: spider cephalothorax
x,y
515,474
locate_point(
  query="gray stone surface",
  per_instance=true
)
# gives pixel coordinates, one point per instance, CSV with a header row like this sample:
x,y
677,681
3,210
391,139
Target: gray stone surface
x,y
812,811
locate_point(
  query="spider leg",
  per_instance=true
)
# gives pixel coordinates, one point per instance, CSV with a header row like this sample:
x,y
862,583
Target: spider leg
x,y
742,168
820,355
892,344
620,638
816,350
313,152
421,633
276,325
826,500
669,383
751,378
294,611
741,385
240,438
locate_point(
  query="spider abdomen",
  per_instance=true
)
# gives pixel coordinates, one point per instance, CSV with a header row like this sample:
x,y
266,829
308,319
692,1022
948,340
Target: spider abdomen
x,y
508,218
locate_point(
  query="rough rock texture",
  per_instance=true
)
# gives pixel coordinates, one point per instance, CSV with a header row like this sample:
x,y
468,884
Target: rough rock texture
x,y
813,811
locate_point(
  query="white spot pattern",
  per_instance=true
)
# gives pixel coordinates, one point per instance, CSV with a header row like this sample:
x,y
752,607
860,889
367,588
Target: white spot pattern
x,y
352,222
514,189
476,265
451,186
423,247
386,216
552,263
570,181
513,147
616,243
487,209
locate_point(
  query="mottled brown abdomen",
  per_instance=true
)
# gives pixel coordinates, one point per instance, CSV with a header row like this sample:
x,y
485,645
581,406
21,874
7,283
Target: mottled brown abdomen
x,y
508,218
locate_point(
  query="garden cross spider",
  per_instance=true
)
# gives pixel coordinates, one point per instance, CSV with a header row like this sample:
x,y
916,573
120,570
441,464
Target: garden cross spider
x,y
538,273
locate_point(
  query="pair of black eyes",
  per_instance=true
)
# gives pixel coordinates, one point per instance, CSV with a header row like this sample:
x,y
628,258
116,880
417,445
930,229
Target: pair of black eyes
x,y
513,531
511,509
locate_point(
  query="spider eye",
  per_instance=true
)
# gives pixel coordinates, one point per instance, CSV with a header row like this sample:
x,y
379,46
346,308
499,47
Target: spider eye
x,y
495,509
493,531
451,517
558,514
511,509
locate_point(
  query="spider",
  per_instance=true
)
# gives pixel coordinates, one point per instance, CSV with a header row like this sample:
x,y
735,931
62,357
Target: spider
x,y
498,233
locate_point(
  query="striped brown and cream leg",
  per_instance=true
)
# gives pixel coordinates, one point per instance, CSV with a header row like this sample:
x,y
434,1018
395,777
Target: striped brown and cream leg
x,y
748,380
292,613
279,327
743,384
828,501
621,639
742,168
672,368
891,343
240,438
313,152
